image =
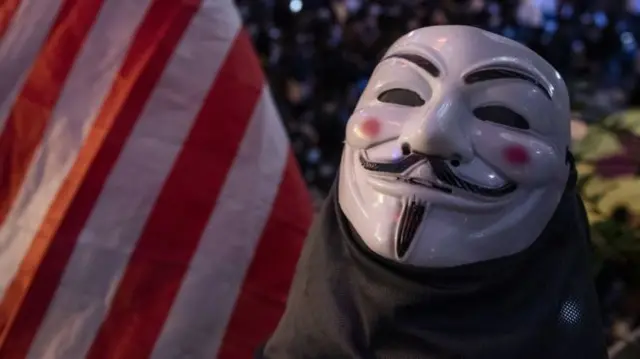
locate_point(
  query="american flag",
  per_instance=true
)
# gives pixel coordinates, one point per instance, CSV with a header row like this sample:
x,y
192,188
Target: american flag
x,y
150,206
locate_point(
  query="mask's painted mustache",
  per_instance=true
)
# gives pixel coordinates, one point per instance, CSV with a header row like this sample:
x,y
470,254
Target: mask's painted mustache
x,y
395,167
441,170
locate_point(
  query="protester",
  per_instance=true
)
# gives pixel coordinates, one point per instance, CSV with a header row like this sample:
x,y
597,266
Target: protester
x,y
320,54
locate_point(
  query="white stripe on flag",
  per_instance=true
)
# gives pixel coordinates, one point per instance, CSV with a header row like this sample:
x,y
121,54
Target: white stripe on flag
x,y
20,46
110,236
197,321
86,87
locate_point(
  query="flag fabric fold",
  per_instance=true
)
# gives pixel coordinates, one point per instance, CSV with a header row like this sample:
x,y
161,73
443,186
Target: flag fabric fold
x,y
150,206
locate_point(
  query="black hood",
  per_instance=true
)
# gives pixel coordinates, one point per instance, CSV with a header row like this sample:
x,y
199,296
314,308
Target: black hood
x,y
347,302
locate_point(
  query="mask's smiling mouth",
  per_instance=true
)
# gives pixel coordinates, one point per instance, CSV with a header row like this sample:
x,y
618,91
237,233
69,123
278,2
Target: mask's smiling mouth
x,y
425,183
392,167
445,179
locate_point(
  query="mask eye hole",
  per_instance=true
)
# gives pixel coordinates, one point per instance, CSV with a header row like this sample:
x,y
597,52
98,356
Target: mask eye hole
x,y
502,116
402,97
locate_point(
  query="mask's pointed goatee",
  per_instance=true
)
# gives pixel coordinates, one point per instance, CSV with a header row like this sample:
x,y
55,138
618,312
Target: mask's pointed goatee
x,y
410,219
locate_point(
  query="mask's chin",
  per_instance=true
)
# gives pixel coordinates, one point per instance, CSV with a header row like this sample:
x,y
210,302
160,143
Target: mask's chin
x,y
373,214
392,220
388,225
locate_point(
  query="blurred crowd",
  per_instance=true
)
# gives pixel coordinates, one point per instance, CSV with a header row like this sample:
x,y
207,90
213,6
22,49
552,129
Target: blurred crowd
x,y
318,55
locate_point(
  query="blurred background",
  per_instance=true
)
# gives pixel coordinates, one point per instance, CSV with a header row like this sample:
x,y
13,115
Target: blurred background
x,y
318,55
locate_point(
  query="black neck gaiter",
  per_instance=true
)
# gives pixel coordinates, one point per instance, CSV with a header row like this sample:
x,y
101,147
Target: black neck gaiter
x,y
347,302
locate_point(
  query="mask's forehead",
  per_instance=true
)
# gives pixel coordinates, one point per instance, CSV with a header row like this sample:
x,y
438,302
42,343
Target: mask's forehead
x,y
458,50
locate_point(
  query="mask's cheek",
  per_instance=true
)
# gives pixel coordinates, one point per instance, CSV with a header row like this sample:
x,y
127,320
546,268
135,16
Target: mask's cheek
x,y
521,157
374,124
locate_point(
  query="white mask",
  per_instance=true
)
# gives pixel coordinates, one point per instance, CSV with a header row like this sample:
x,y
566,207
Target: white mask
x,y
457,150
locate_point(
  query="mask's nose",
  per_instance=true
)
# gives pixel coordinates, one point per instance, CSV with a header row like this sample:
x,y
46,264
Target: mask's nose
x,y
439,131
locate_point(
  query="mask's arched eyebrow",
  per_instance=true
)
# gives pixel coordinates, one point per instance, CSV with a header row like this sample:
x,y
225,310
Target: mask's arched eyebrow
x,y
496,74
419,61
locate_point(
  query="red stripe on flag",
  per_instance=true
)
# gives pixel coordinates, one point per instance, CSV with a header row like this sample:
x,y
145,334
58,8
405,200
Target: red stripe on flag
x,y
266,285
30,114
153,45
174,228
27,121
7,11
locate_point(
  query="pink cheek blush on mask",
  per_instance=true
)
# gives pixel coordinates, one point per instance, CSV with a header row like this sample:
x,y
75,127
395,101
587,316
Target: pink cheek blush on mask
x,y
516,155
370,127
